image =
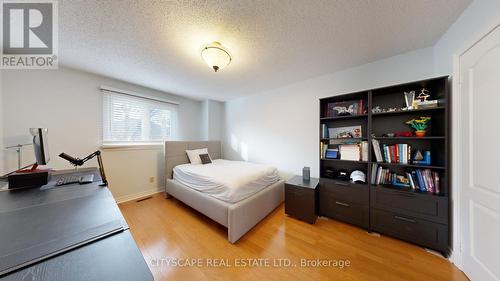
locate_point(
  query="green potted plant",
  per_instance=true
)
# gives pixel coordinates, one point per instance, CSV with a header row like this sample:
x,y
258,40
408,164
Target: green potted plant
x,y
420,125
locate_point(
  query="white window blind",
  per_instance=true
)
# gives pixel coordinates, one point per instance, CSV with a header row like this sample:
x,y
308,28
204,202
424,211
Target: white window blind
x,y
129,119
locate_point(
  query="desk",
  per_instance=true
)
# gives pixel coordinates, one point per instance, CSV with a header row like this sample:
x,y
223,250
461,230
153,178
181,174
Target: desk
x,y
75,232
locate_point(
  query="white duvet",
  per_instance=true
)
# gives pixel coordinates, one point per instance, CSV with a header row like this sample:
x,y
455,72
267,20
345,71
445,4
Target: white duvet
x,y
229,181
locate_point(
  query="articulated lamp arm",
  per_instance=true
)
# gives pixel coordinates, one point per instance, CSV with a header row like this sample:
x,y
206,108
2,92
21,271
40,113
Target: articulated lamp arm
x,y
80,162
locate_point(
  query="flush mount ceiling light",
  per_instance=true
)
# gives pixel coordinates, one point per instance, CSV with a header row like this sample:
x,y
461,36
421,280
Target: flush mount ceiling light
x,y
216,56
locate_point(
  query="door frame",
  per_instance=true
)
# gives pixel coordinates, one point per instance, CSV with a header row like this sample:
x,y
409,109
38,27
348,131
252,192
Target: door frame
x,y
457,167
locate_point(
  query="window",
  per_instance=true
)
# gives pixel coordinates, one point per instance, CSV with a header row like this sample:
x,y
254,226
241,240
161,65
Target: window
x,y
129,119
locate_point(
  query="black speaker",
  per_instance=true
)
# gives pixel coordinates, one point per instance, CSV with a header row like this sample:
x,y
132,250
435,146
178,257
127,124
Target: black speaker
x,y
28,180
306,174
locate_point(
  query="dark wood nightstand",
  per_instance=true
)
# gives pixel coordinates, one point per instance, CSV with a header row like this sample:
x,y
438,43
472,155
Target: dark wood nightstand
x,y
300,198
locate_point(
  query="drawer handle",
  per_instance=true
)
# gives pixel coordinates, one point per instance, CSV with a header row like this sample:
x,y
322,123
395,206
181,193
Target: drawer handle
x,y
405,219
342,204
341,183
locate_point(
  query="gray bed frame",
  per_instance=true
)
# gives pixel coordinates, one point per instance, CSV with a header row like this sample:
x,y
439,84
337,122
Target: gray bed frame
x,y
238,217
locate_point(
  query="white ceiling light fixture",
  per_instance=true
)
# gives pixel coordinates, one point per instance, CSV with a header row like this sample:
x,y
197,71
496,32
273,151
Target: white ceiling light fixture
x,y
216,56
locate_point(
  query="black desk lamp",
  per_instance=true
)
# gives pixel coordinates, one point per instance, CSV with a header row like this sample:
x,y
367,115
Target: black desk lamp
x,y
79,162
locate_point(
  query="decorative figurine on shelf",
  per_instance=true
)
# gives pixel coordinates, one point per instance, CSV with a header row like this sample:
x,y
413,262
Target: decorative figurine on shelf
x,y
424,95
418,156
376,109
423,101
420,125
409,99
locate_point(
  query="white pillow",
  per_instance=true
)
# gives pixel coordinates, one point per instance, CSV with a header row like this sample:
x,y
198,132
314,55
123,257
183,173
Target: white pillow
x,y
194,155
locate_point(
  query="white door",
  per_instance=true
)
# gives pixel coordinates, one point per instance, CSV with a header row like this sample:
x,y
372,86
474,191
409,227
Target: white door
x,y
479,69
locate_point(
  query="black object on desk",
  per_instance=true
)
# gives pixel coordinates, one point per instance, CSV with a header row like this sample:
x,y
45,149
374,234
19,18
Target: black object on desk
x,y
73,232
300,198
33,179
79,162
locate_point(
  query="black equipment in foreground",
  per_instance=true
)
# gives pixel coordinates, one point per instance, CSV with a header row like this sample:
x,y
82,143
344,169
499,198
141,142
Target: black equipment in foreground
x,y
35,178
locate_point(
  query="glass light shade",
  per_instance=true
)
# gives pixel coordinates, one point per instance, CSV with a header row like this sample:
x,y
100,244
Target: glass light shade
x,y
216,56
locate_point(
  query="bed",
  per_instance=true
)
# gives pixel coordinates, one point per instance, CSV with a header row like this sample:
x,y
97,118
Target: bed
x,y
236,214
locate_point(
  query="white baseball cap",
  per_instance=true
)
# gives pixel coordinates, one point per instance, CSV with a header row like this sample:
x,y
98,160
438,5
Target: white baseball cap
x,y
358,176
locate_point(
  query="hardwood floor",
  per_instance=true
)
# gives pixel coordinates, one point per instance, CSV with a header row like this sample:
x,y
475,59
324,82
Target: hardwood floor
x,y
166,229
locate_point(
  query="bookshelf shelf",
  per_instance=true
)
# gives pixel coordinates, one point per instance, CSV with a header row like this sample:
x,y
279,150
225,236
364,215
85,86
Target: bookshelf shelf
x,y
414,111
346,161
412,138
343,117
386,208
345,139
417,166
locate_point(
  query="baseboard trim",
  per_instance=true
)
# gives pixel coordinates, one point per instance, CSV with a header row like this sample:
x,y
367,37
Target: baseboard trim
x,y
138,195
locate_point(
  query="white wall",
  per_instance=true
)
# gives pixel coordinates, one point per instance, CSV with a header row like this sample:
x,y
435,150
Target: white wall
x,y
280,127
212,120
479,14
215,120
204,120
69,103
2,170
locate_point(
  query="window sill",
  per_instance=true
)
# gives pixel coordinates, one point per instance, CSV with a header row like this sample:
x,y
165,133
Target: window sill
x,y
132,146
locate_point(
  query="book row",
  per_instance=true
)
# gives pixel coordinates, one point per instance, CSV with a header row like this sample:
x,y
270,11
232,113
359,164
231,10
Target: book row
x,y
400,153
423,180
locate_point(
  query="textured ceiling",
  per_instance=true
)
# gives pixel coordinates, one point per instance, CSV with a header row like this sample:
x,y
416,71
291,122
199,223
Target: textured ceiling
x,y
157,43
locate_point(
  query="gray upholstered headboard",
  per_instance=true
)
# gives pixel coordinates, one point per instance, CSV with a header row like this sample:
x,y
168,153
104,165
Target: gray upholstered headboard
x,y
175,152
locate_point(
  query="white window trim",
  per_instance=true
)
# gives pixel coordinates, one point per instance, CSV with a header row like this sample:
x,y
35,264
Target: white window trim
x,y
134,94
132,146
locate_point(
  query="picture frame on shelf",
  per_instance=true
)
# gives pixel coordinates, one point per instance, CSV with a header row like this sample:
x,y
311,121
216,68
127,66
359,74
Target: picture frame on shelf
x,y
345,132
345,108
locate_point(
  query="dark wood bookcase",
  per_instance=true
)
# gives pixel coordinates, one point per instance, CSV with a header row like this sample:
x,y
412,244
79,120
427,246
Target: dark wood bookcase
x,y
418,217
